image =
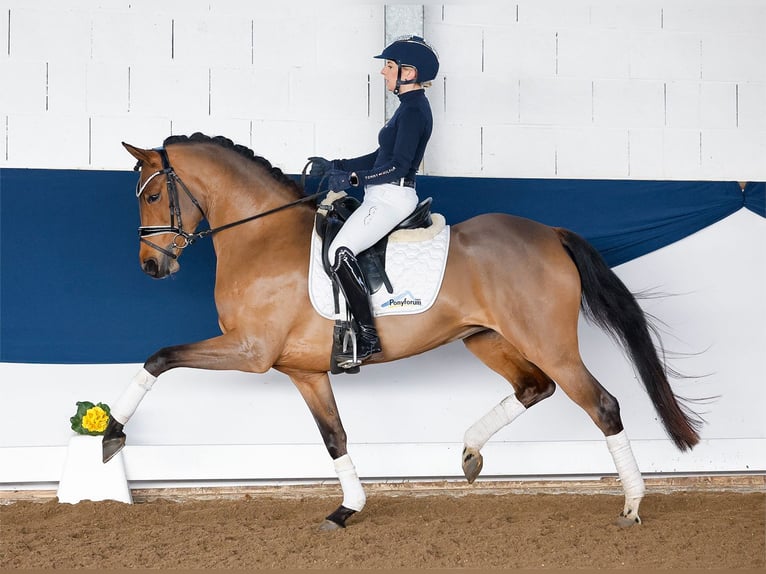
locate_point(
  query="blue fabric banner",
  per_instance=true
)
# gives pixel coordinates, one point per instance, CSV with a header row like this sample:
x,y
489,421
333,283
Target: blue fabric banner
x,y
71,290
623,219
755,198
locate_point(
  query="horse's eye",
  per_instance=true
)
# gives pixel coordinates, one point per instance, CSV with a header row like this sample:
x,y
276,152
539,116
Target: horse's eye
x,y
153,198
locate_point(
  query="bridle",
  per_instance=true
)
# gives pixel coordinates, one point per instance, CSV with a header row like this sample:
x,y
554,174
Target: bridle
x,y
182,238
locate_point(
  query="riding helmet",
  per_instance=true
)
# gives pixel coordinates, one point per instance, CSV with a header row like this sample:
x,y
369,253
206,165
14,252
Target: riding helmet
x,y
414,52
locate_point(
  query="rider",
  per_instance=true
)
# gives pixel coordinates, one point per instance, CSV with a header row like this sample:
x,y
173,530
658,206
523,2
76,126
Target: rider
x,y
387,176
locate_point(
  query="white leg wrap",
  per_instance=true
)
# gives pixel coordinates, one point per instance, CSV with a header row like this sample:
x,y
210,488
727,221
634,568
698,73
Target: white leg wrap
x,y
482,430
353,493
627,468
128,402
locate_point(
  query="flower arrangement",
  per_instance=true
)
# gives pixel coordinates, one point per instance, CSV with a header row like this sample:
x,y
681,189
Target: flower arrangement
x,y
90,419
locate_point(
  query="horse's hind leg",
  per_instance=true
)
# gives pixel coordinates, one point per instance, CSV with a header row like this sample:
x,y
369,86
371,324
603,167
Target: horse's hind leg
x,y
583,388
531,386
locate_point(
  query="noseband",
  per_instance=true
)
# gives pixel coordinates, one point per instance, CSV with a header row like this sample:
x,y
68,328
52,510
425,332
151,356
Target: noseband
x,y
183,239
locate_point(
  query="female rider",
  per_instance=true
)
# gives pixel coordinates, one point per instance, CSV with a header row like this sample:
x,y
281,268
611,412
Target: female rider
x,y
388,178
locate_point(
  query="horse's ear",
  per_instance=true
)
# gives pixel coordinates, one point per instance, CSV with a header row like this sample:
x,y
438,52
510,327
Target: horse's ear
x,y
142,155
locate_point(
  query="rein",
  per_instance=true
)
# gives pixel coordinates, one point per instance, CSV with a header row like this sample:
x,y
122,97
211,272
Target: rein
x,y
174,205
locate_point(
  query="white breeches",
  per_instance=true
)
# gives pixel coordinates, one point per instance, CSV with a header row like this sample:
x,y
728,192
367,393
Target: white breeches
x,y
384,207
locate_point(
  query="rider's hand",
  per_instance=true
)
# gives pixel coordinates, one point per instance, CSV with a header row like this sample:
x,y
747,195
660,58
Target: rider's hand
x,y
338,180
319,166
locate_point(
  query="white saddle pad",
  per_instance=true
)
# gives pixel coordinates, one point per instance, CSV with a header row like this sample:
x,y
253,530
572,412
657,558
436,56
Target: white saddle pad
x,y
415,263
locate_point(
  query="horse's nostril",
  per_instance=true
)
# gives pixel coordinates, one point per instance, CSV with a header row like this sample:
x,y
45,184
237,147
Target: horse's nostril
x,y
150,267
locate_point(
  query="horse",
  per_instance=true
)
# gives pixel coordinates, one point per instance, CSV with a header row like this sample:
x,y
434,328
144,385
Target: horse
x,y
512,291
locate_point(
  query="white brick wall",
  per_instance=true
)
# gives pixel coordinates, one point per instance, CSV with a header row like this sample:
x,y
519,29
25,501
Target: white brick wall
x,y
79,78
669,89
657,89
628,103
751,109
593,53
659,54
525,151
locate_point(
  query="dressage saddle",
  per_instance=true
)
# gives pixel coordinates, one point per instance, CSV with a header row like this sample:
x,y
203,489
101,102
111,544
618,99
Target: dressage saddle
x,y
330,219
328,222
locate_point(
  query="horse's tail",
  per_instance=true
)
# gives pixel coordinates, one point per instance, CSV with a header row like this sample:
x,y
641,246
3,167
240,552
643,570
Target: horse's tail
x,y
608,303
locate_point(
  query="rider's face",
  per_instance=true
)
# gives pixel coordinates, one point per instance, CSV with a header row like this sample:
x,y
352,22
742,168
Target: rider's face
x,y
389,72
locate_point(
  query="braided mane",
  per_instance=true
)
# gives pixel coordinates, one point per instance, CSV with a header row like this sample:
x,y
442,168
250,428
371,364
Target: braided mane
x,y
246,152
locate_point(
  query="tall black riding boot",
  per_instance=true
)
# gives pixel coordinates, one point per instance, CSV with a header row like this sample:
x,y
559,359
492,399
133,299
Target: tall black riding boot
x,y
351,281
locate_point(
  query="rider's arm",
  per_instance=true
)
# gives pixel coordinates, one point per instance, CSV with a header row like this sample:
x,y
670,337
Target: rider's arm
x,y
409,130
357,164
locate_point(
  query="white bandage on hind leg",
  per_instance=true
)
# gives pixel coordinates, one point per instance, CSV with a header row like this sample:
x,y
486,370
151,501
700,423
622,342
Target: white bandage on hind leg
x,y
627,468
353,493
128,402
503,414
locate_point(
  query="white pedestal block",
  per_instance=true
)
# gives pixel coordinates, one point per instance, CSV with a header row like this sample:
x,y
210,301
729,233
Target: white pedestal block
x,y
85,477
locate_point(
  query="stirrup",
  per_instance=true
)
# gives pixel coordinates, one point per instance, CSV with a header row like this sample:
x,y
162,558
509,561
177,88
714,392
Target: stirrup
x,y
342,331
351,358
349,337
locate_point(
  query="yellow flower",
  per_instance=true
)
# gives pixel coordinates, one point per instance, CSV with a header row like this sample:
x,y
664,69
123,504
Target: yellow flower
x,y
95,419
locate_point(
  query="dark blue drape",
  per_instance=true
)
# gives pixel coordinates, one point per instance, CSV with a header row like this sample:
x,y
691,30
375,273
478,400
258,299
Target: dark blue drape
x,y
71,290
755,198
623,219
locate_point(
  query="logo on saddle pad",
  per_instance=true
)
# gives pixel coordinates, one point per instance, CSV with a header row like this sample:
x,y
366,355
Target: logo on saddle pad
x,y
406,299
415,263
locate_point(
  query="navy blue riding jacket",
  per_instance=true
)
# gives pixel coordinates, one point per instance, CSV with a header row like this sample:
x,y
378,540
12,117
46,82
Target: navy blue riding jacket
x,y
402,144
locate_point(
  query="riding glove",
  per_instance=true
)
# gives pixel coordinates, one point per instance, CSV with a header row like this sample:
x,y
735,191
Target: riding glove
x,y
338,180
319,166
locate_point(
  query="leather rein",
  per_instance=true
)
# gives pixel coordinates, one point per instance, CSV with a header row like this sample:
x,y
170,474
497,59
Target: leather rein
x,y
184,239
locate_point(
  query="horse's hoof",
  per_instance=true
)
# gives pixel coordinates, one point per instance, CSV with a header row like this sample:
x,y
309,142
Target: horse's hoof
x,y
110,447
113,441
329,525
472,463
627,521
337,519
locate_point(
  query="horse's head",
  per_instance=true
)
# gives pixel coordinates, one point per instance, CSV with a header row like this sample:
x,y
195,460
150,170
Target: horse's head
x,y
168,218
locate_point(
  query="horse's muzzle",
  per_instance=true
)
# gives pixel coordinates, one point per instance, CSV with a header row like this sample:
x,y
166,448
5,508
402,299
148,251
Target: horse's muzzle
x,y
159,268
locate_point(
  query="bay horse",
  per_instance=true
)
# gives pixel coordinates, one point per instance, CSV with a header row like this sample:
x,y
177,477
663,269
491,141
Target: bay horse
x,y
512,291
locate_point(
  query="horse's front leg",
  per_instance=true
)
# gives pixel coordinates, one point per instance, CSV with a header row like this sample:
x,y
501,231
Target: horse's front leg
x,y
227,352
317,392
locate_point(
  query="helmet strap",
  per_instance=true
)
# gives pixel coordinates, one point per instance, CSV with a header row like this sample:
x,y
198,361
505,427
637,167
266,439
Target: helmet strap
x,y
399,81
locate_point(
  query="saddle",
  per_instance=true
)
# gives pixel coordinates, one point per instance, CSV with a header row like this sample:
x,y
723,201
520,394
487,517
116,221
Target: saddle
x,y
331,215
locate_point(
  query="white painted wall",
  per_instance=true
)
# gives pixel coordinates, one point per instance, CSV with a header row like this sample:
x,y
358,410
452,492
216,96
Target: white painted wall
x,y
671,89
283,78
549,89
639,90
